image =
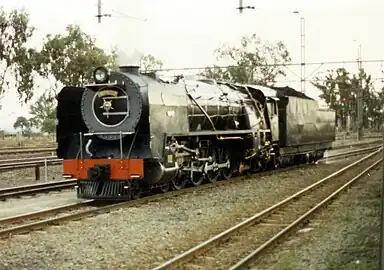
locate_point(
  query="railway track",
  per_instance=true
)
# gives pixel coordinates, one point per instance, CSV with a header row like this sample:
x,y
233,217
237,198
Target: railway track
x,y
359,144
52,149
22,163
35,162
38,220
14,192
10,151
239,246
21,160
345,154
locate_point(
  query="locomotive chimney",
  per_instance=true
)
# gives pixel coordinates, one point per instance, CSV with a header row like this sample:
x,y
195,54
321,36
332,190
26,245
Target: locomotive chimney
x,y
130,69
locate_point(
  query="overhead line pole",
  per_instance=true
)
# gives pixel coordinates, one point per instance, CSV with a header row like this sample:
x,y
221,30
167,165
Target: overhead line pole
x,y
99,11
99,14
302,46
241,7
360,97
302,52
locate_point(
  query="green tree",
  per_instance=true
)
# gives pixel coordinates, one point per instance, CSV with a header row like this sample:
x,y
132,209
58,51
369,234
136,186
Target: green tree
x,y
17,61
23,124
48,125
252,62
149,62
71,58
340,91
43,113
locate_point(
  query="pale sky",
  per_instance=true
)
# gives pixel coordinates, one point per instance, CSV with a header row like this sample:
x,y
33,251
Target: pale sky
x,y
184,33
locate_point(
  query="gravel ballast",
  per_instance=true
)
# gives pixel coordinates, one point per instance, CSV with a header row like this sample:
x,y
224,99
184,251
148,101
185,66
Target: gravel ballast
x,y
345,235
142,237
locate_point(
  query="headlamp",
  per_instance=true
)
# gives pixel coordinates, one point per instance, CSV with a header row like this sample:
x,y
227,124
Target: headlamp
x,y
100,75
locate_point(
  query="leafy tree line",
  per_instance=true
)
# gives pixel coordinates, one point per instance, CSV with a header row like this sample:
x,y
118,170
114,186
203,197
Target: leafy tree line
x,y
64,59
70,58
253,62
261,63
340,89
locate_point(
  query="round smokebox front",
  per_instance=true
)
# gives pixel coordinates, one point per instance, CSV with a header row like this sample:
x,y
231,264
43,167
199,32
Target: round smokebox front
x,y
111,106
111,109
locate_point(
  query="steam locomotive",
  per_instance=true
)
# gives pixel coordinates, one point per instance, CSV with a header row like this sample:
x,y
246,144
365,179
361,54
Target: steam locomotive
x,y
130,132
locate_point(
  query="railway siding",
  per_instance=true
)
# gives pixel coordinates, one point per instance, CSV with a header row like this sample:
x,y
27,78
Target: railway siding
x,y
346,235
240,249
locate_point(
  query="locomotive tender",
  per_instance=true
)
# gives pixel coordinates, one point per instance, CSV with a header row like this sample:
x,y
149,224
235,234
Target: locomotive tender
x,y
130,132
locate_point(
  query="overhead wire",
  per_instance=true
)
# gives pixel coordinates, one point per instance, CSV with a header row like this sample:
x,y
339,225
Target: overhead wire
x,y
271,65
123,15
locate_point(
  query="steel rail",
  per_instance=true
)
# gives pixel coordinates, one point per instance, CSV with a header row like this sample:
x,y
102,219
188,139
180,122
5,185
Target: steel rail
x,y
26,159
13,192
75,216
27,227
27,147
353,152
52,186
45,212
221,237
45,149
12,164
27,151
342,146
30,164
247,260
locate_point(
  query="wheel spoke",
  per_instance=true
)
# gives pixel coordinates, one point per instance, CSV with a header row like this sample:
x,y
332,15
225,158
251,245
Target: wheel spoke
x,y
179,182
197,179
165,188
212,176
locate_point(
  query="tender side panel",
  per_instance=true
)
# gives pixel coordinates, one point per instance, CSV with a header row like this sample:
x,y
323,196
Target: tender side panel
x,y
305,125
120,168
326,124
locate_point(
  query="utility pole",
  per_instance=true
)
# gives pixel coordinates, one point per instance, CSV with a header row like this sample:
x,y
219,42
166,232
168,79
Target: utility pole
x,y
302,49
241,7
99,14
99,11
302,52
360,97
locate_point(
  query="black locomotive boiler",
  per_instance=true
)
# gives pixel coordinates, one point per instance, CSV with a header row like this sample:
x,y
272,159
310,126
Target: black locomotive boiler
x,y
129,132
